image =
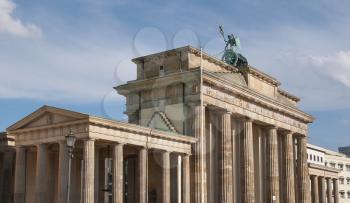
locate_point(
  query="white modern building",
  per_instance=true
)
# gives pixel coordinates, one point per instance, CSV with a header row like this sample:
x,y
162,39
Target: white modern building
x,y
333,160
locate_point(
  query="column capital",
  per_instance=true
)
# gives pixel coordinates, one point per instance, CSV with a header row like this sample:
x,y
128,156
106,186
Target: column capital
x,y
271,127
285,131
194,103
246,119
121,143
41,145
89,139
225,111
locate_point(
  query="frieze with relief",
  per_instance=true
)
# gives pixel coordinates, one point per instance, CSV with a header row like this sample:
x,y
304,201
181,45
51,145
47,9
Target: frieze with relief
x,y
252,107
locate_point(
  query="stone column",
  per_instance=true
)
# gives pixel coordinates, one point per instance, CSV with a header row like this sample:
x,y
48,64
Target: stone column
x,y
247,175
289,167
226,191
62,172
329,191
179,178
336,190
314,189
272,166
7,176
20,175
143,170
89,171
41,174
166,177
200,187
186,178
322,190
303,171
117,191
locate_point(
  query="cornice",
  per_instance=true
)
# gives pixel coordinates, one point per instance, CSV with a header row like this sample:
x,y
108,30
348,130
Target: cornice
x,y
263,76
324,168
141,129
212,59
257,97
160,81
288,95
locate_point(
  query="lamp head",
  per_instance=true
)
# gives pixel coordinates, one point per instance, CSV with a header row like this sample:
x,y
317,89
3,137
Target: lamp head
x,y
70,139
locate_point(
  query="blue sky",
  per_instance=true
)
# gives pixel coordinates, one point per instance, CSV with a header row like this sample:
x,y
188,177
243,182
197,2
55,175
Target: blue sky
x,y
71,53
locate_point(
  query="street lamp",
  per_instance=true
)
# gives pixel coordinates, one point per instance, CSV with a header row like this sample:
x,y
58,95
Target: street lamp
x,y
70,139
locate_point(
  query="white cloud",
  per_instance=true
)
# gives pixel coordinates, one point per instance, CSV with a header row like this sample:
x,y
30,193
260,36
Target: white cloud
x,y
11,25
336,66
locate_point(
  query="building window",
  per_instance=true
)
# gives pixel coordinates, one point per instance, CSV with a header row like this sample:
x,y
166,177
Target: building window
x,y
318,159
348,167
332,165
341,181
342,194
321,159
348,181
348,194
340,166
314,158
161,71
310,157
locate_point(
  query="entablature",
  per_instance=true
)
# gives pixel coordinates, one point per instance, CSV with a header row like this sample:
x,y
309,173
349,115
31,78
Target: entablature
x,y
214,85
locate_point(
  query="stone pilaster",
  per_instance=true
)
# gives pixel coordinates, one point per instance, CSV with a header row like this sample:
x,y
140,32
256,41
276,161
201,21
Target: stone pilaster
x,y
272,166
143,175
20,175
329,191
226,185
289,167
322,189
186,178
41,174
336,190
166,177
118,181
7,176
303,171
62,172
89,171
200,187
314,189
247,176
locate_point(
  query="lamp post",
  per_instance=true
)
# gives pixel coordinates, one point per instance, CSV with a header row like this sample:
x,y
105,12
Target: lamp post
x,y
70,139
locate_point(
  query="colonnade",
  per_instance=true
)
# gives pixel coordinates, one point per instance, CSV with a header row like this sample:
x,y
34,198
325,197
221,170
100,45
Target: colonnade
x,y
229,152
89,174
324,189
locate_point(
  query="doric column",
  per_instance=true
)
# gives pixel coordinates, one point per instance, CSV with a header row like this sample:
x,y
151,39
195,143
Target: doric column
x,y
143,175
117,191
329,191
7,176
89,171
336,190
272,166
62,172
303,171
314,189
289,167
200,194
20,175
226,191
41,174
247,177
179,178
322,190
166,177
186,178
